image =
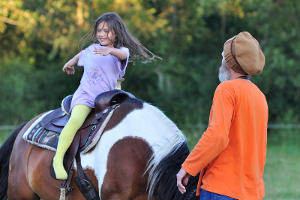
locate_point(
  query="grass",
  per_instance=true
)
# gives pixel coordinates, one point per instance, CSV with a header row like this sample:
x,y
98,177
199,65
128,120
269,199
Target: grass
x,y
4,134
282,180
282,169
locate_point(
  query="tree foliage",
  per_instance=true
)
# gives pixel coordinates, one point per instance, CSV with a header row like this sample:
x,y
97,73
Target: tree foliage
x,y
37,37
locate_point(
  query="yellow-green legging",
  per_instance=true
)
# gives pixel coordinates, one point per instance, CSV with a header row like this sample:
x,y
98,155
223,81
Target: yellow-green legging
x,y
78,116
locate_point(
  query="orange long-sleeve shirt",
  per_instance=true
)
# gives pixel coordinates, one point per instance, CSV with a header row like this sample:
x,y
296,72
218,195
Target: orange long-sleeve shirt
x,y
231,153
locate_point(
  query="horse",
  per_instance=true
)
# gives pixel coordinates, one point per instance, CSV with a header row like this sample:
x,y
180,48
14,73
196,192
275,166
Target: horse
x,y
137,158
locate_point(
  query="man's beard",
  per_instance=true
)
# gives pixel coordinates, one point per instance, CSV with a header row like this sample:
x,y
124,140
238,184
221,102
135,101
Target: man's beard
x,y
224,73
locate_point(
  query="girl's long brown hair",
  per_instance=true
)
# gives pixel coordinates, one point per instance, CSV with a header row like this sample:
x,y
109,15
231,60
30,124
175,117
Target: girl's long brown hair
x,y
123,37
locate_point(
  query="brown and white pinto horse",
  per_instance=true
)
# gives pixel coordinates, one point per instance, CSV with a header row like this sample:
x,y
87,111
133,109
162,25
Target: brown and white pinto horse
x,y
137,158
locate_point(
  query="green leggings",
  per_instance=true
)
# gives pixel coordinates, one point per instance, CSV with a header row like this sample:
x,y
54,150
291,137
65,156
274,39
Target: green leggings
x,y
78,116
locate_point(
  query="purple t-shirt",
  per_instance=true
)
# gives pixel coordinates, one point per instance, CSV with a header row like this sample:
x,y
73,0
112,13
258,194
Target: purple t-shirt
x,y
101,74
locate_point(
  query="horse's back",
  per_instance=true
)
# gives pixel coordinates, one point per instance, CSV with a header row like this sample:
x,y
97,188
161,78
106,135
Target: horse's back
x,y
19,186
125,151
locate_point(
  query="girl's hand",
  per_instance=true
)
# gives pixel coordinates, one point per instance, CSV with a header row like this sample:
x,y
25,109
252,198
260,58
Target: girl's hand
x,y
68,68
103,51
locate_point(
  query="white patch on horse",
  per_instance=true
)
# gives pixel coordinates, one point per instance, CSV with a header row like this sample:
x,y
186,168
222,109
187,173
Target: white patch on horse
x,y
148,123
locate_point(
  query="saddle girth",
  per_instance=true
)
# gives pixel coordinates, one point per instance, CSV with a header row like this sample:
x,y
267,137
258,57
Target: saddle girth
x,y
84,183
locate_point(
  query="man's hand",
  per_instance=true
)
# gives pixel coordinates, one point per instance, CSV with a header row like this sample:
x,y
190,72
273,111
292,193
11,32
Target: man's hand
x,y
103,51
182,180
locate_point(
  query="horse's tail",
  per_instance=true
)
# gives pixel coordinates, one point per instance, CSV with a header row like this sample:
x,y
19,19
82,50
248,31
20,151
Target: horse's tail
x,y
163,183
5,152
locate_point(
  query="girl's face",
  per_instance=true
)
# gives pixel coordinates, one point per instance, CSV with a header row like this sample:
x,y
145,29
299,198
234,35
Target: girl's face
x,y
105,36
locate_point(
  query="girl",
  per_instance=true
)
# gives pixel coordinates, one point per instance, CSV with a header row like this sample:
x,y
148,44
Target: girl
x,y
104,62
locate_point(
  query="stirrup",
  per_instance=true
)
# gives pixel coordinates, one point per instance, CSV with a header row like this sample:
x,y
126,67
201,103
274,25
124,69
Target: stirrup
x,y
65,187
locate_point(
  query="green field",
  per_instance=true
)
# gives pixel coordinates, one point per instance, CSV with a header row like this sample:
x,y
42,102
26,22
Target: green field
x,y
4,135
282,171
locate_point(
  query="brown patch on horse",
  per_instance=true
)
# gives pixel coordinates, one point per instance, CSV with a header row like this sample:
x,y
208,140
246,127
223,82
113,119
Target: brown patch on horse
x,y
125,178
29,176
18,187
43,184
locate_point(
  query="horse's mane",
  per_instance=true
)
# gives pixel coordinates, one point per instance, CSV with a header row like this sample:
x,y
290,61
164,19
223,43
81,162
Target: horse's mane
x,y
165,185
164,165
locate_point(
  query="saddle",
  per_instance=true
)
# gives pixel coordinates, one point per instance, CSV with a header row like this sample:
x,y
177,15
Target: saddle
x,y
57,119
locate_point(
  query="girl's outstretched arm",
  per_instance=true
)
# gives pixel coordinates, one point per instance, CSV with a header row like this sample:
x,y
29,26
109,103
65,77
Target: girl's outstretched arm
x,y
69,66
120,54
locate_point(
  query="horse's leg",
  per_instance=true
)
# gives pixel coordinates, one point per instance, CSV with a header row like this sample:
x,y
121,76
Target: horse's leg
x,y
18,186
125,178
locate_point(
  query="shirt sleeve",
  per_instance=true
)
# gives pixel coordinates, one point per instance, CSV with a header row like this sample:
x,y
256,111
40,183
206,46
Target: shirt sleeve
x,y
215,139
82,57
123,63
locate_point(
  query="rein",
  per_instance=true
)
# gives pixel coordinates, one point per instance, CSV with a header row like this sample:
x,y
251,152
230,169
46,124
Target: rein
x,y
65,187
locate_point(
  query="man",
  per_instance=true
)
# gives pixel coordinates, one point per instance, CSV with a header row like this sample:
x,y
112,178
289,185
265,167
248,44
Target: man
x,y
232,151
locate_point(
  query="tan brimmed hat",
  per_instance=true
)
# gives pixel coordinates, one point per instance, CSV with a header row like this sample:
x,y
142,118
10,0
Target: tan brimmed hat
x,y
243,54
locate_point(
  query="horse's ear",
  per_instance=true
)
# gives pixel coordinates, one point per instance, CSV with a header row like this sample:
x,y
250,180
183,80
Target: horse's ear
x,y
106,99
